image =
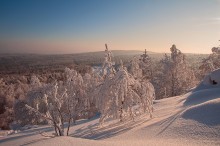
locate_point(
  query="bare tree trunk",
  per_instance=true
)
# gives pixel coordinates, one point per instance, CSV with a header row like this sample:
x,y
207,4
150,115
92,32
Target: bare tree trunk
x,y
54,123
69,120
173,85
60,130
68,128
121,111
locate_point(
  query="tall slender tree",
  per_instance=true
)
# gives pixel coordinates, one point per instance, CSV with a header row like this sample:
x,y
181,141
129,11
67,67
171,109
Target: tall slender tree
x,y
177,75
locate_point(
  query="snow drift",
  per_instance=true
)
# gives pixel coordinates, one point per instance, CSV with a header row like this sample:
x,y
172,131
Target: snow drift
x,y
211,80
205,113
198,118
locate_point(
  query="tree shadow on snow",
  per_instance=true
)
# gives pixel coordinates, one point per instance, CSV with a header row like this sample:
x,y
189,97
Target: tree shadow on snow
x,y
158,128
201,96
25,134
95,132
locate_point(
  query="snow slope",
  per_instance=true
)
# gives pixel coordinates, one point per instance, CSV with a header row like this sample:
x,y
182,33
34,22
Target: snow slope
x,y
191,119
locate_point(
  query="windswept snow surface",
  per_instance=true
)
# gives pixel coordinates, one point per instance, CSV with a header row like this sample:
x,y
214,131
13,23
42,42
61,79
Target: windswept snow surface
x,y
191,119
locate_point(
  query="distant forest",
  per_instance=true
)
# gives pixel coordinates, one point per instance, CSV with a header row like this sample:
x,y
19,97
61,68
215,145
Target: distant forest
x,y
26,64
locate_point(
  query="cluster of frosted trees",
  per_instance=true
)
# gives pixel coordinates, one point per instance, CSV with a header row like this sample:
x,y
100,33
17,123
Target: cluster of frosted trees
x,y
58,102
211,63
8,92
114,93
176,77
121,93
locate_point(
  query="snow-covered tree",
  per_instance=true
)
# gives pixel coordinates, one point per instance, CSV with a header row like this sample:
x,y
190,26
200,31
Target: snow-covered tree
x,y
122,95
35,82
141,67
76,90
119,96
146,66
107,67
91,82
211,63
62,101
176,77
54,102
135,69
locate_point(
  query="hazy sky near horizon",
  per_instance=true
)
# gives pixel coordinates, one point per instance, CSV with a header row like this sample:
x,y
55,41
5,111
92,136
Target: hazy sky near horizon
x,y
73,26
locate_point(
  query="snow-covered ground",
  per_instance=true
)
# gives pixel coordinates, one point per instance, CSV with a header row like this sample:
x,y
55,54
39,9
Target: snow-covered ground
x,y
191,119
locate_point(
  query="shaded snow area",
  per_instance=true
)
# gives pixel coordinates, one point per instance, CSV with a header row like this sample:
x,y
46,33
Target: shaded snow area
x,y
212,80
191,119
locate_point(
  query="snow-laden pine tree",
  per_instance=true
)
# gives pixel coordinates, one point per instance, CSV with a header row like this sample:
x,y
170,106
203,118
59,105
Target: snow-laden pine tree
x,y
177,77
122,96
107,68
211,63
91,82
135,69
146,66
141,70
83,88
160,79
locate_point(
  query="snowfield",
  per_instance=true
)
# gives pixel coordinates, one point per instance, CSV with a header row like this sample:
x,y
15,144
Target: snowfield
x,y
190,119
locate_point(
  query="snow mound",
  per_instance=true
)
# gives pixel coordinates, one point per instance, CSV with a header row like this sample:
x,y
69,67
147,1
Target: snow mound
x,y
211,80
207,90
215,76
201,96
199,117
206,113
199,122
